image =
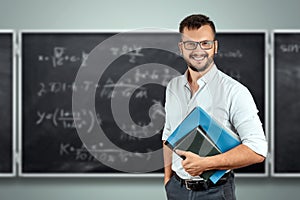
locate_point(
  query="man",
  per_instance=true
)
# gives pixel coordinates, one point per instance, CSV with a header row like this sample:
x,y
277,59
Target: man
x,y
226,100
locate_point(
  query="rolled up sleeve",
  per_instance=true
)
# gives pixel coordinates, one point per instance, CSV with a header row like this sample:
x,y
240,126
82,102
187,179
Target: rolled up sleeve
x,y
246,121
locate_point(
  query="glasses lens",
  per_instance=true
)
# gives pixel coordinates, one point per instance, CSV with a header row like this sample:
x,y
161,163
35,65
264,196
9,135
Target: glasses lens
x,y
206,45
190,45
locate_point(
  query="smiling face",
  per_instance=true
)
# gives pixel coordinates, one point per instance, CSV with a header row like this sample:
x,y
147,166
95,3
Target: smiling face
x,y
198,60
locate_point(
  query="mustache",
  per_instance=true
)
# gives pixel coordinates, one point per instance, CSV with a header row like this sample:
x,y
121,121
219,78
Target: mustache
x,y
204,54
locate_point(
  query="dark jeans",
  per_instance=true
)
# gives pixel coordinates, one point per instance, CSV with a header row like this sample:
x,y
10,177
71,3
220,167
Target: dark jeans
x,y
176,191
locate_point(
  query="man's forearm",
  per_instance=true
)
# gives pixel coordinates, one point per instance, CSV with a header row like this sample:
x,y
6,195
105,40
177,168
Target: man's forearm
x,y
167,163
237,157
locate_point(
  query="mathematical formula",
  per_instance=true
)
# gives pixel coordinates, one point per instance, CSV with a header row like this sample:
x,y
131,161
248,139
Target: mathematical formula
x,y
85,119
61,57
132,51
68,119
100,153
110,89
230,54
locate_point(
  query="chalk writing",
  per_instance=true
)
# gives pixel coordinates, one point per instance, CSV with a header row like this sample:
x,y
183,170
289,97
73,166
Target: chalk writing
x,y
85,119
163,75
125,87
230,54
60,56
68,119
290,48
98,152
111,89
132,51
61,87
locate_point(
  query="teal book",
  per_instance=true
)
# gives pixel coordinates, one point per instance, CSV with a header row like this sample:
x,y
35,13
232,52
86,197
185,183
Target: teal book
x,y
223,138
198,142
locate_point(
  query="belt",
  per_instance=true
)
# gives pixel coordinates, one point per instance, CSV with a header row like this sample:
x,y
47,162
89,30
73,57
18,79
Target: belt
x,y
198,185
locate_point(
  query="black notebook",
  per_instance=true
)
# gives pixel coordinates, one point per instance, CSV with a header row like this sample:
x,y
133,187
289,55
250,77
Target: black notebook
x,y
198,142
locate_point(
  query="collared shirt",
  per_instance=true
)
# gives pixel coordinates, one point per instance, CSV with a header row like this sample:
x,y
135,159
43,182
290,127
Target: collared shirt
x,y
224,98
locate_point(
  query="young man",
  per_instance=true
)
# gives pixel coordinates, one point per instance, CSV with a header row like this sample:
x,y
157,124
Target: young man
x,y
226,100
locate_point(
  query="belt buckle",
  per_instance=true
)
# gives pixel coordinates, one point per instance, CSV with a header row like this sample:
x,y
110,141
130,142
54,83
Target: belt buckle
x,y
196,186
186,184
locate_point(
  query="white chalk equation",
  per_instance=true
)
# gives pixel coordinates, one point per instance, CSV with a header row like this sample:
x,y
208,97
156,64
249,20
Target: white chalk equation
x,y
60,117
141,129
230,54
290,48
98,152
127,87
55,87
61,56
132,51
85,119
110,88
107,91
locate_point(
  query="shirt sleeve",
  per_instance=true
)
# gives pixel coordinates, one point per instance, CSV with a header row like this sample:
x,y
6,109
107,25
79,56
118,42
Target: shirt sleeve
x,y
167,127
245,119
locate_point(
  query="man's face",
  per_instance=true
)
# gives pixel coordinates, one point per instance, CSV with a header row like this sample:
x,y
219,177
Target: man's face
x,y
198,59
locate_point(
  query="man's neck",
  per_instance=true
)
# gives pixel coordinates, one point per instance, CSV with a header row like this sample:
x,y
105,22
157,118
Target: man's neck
x,y
192,80
193,76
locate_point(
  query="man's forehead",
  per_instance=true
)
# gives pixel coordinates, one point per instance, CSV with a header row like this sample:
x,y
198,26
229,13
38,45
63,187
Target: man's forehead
x,y
204,32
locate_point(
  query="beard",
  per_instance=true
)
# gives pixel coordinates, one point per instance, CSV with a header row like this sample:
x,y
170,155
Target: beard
x,y
205,66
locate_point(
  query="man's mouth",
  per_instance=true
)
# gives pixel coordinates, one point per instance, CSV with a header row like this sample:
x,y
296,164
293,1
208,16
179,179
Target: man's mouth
x,y
198,57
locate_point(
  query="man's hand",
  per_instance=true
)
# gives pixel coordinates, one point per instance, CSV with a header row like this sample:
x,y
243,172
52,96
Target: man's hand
x,y
238,157
193,163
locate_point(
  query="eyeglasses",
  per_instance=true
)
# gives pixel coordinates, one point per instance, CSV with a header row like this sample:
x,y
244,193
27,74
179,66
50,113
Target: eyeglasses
x,y
192,45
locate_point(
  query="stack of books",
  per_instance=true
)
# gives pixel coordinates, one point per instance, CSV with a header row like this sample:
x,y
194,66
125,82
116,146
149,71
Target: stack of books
x,y
200,133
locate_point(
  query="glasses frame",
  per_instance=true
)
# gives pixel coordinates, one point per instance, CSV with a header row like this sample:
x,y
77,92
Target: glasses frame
x,y
199,43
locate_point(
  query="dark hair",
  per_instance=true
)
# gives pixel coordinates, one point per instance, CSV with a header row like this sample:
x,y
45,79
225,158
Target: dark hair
x,y
195,22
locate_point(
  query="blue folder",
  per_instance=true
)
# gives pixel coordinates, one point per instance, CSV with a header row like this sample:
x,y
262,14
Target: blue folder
x,y
223,138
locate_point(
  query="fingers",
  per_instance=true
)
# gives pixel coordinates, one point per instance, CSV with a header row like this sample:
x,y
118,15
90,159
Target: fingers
x,y
181,153
191,163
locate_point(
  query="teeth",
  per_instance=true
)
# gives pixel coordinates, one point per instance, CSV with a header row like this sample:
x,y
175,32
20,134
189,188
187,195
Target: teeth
x,y
198,58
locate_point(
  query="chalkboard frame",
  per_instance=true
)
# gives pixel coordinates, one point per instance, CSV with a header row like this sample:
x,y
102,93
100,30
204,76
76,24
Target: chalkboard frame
x,y
272,104
14,103
266,102
266,111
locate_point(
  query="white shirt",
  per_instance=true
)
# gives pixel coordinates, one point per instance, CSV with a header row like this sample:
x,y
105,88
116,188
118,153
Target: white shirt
x,y
227,100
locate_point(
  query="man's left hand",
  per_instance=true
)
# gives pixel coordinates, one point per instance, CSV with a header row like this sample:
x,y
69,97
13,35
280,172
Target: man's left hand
x,y
193,163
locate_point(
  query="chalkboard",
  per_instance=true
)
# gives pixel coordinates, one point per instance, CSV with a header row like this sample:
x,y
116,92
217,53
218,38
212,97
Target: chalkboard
x,y
286,105
242,55
90,97
6,103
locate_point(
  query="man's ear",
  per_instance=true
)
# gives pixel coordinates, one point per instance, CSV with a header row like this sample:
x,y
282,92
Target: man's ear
x,y
216,46
180,47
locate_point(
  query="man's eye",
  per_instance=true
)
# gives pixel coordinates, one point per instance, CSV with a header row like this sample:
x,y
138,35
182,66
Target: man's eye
x,y
205,43
191,43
